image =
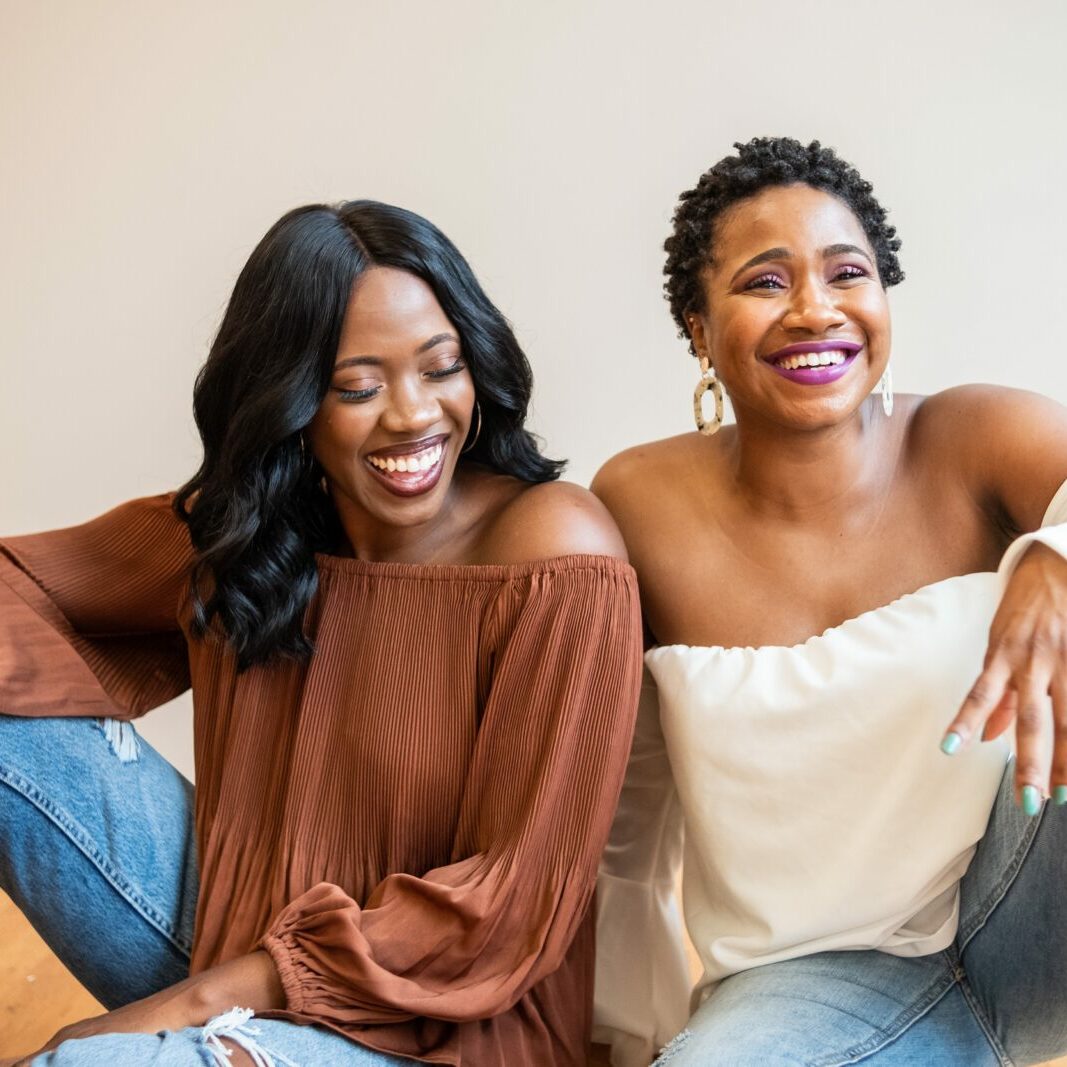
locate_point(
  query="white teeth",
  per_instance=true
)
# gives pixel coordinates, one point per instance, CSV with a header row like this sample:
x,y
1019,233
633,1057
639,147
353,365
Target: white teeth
x,y
812,359
410,464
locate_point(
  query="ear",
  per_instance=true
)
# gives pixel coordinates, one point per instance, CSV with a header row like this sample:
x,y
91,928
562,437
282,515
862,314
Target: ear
x,y
697,337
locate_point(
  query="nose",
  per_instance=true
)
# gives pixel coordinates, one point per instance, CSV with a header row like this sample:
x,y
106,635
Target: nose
x,y
411,409
812,307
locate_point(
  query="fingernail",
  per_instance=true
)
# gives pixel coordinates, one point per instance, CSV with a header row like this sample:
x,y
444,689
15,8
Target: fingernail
x,y
1031,799
1059,795
951,743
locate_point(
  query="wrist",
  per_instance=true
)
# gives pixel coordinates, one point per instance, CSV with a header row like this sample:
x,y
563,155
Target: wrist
x,y
249,981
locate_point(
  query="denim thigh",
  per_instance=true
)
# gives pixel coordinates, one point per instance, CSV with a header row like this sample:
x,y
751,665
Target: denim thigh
x,y
835,1008
998,995
1013,928
97,850
269,1043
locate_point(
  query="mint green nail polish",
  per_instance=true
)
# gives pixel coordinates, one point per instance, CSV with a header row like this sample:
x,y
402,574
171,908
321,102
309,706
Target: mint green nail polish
x,y
1031,800
1059,795
951,743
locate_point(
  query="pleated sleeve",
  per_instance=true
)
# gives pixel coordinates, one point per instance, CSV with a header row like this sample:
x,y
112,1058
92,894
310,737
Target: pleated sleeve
x,y
465,941
89,615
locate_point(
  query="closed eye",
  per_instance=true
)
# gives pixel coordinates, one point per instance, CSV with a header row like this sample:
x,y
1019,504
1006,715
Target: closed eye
x,y
446,372
356,395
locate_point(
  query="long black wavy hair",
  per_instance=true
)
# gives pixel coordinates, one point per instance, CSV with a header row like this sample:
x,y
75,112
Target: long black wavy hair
x,y
256,509
759,164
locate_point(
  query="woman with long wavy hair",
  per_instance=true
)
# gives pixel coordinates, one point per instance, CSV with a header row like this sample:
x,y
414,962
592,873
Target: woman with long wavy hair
x,y
414,659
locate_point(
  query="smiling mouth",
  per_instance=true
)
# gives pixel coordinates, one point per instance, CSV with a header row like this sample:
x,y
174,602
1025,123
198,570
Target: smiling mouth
x,y
409,470
815,364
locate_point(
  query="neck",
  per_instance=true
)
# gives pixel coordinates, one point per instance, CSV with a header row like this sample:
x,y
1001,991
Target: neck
x,y
798,473
437,540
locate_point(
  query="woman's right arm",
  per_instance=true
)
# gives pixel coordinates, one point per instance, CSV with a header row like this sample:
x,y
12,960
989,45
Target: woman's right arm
x,y
642,974
89,615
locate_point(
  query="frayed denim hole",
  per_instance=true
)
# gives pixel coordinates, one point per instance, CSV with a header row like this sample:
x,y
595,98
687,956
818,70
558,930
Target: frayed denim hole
x,y
674,1045
122,738
233,1026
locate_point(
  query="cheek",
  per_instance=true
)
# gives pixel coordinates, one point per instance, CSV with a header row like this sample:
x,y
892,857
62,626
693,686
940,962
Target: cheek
x,y
336,433
872,310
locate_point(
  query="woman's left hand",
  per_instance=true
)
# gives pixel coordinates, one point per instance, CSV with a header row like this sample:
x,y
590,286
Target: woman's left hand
x,y
1025,679
249,981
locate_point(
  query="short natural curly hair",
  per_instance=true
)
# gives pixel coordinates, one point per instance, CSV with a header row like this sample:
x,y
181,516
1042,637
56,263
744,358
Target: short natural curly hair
x,y
759,164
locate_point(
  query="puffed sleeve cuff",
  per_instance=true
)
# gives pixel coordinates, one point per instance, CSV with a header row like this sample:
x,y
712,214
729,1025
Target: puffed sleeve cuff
x,y
1053,534
280,948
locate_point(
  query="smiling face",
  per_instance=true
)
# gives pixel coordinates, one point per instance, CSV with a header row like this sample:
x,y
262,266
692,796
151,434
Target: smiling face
x,y
795,319
398,410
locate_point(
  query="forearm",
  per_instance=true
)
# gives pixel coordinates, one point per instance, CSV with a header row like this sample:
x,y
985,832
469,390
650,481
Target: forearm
x,y
249,981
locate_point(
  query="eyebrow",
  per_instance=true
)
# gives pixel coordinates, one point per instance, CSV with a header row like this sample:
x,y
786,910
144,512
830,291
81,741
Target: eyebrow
x,y
376,361
784,253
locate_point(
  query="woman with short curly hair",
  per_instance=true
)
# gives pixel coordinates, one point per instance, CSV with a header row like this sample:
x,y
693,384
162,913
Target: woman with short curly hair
x,y
853,597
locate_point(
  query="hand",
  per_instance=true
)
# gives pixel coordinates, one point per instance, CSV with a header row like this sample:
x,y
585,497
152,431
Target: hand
x,y
1025,679
249,981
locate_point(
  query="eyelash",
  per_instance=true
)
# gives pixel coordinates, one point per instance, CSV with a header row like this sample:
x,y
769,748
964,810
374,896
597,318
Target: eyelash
x,y
367,394
853,272
755,283
846,272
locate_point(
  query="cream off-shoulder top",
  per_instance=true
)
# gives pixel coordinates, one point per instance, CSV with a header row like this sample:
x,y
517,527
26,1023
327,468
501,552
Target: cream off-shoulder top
x,y
819,812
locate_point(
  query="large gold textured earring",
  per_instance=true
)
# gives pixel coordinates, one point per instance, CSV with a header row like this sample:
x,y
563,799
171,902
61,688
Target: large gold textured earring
x,y
707,381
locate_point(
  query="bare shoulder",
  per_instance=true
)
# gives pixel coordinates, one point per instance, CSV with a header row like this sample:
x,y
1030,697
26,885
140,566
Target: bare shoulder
x,y
1000,405
549,520
983,423
1007,446
627,478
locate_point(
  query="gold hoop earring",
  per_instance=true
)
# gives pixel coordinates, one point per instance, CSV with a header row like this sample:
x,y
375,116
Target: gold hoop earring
x,y
477,429
708,381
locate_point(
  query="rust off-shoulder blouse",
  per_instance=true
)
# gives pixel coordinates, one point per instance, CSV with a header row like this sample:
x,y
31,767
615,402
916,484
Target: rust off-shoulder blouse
x,y
409,823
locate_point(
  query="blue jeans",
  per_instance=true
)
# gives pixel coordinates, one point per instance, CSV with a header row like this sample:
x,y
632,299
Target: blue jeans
x,y
997,995
97,850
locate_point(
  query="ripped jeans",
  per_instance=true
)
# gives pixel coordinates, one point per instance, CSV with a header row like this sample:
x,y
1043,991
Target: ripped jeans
x,y
996,997
97,850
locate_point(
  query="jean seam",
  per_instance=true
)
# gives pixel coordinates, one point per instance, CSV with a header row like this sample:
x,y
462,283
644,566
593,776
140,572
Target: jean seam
x,y
1000,890
983,1023
888,1034
84,843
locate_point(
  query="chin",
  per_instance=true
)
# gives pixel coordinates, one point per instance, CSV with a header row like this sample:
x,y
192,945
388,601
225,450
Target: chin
x,y
823,414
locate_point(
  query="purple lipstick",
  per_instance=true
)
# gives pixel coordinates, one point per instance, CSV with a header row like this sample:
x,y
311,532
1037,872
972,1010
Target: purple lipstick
x,y
814,362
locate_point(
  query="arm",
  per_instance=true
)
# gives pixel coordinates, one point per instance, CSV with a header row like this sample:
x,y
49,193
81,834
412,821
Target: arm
x,y
249,981
1016,473
642,983
466,940
88,615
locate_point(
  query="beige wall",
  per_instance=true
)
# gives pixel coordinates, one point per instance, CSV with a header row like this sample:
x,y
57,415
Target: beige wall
x,y
146,146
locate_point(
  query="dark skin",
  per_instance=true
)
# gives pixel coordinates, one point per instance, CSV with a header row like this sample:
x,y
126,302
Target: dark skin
x,y
816,507
400,378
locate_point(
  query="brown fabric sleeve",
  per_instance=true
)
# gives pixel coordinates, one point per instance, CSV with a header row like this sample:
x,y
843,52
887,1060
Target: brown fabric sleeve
x,y
467,940
89,615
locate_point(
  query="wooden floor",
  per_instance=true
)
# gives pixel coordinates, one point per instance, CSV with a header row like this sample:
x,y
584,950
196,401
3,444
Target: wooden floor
x,y
38,994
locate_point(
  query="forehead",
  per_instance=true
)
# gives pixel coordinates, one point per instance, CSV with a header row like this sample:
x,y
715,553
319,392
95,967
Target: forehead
x,y
796,217
388,308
